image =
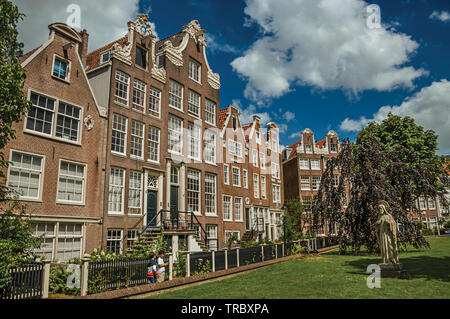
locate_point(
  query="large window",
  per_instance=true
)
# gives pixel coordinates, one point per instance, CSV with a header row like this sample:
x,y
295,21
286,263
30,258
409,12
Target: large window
x,y
306,201
227,208
276,193
69,241
275,170
135,193
256,185
234,148
193,181
315,164
245,178
226,174
41,116
194,71
236,176
114,240
210,194
194,103
238,209
316,183
122,88
61,69
176,95
25,175
141,57
431,203
255,158
153,143
210,112
155,102
47,232
137,139
116,190
194,141
263,187
175,134
132,238
304,163
119,134
305,183
262,160
210,147
71,182
211,230
139,95
422,203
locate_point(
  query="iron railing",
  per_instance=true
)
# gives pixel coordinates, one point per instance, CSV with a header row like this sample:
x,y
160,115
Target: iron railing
x,y
26,282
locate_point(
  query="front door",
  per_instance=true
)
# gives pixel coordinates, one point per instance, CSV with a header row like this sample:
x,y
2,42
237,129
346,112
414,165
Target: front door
x,y
174,206
247,218
152,200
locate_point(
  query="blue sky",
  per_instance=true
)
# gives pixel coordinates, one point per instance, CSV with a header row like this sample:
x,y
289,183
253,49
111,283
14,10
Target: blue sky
x,y
305,63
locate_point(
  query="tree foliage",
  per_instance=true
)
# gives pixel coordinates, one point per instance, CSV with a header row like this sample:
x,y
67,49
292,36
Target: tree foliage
x,y
295,219
372,172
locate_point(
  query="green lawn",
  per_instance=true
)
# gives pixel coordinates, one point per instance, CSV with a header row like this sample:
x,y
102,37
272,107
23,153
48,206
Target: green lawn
x,y
334,276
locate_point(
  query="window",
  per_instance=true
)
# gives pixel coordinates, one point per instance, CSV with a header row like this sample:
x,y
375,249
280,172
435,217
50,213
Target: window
x,y
69,241
315,164
210,194
256,185
275,170
276,193
308,149
210,112
316,183
306,201
193,191
274,140
238,209
41,116
345,199
304,163
210,147
61,69
68,122
116,190
141,57
335,180
194,71
71,182
114,241
153,144
226,174
46,231
139,95
258,137
174,174
245,178
194,141
236,176
422,203
255,158
137,139
234,123
175,142
119,134
305,183
135,193
263,187
234,148
155,102
176,95
122,86
262,160
25,175
194,103
433,222
431,203
333,148
230,233
132,237
105,57
227,209
211,230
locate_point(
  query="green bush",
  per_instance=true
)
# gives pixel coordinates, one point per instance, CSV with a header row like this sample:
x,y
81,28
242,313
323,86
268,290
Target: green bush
x,y
58,281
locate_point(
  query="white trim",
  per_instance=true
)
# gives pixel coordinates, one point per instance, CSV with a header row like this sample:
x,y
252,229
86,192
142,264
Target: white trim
x,y
67,202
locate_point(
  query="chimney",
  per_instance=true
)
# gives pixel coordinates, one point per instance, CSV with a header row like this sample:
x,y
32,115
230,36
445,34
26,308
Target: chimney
x,y
83,48
256,118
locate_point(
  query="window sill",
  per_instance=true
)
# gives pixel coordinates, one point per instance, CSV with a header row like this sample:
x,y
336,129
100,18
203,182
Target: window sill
x,y
51,137
61,80
60,202
175,108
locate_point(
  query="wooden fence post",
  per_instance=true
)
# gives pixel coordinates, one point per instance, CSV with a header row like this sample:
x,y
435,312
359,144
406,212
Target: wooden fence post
x,y
262,252
46,279
188,264
276,251
282,251
84,276
226,259
170,266
213,257
237,257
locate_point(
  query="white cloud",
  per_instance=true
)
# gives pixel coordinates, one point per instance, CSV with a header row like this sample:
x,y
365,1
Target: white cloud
x,y
247,113
297,134
325,44
216,46
443,16
105,20
283,128
289,116
430,107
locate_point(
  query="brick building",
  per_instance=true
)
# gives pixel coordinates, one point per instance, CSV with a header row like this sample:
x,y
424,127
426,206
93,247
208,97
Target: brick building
x,y
57,156
303,165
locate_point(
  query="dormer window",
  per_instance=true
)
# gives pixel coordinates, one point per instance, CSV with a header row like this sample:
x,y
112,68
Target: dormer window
x,y
105,57
333,148
141,57
194,71
61,68
234,123
258,137
308,148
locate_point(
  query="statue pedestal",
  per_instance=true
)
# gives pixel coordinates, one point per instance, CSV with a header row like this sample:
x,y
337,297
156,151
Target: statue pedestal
x,y
393,271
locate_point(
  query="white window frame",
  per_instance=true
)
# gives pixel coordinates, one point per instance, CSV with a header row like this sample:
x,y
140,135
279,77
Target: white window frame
x,y
120,240
302,163
155,99
125,132
210,139
198,71
226,174
316,178
176,95
245,178
134,136
195,141
256,185
157,142
275,170
179,134
255,158
262,160
231,208
315,167
209,175
233,168
263,187
194,101
124,80
234,148
197,192
276,189
241,209
140,87
303,183
209,113
122,211
83,187
136,189
68,68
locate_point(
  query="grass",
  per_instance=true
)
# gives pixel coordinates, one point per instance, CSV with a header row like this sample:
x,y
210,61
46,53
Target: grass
x,y
334,276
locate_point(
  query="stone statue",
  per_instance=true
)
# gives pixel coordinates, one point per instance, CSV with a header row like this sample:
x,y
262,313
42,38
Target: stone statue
x,y
387,234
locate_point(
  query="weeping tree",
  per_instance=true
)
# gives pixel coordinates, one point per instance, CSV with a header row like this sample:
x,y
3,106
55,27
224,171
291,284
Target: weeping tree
x,y
369,173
